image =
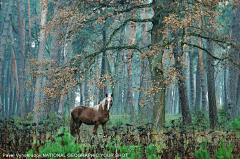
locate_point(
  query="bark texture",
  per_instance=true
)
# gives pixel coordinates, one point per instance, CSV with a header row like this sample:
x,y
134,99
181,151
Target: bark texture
x,y
37,98
4,41
21,61
233,70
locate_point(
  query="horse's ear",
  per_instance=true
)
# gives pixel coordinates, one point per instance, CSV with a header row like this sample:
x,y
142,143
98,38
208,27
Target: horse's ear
x,y
112,95
106,95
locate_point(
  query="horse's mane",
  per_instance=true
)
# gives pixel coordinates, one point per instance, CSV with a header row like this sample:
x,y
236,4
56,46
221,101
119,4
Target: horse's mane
x,y
96,107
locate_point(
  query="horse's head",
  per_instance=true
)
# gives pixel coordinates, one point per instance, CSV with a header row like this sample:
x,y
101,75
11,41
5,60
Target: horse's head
x,y
108,102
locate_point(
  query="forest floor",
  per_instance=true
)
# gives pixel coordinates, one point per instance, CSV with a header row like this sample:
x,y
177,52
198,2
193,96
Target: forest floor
x,y
138,139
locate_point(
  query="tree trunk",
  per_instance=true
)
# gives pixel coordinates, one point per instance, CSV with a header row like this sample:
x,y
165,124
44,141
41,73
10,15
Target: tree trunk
x,y
11,89
200,58
182,85
16,90
6,112
198,87
81,94
86,86
211,89
125,74
192,100
3,88
54,59
156,65
238,97
37,98
2,9
132,34
4,40
211,84
72,100
21,62
233,70
67,54
103,81
142,96
30,55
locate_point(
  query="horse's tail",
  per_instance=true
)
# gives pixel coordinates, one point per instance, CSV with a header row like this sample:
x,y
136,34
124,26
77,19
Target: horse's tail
x,y
71,124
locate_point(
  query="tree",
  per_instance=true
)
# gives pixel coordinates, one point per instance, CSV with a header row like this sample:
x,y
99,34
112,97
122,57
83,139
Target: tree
x,y
21,61
233,70
103,85
4,41
182,83
210,79
38,92
211,89
132,33
155,63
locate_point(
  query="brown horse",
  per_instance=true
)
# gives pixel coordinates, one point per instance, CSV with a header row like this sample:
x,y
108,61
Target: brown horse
x,y
96,115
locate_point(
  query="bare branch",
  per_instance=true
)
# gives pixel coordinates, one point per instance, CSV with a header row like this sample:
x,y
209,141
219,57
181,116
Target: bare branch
x,y
217,58
109,48
121,26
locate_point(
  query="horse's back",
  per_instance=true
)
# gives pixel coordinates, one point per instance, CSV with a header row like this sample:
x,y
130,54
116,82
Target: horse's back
x,y
78,110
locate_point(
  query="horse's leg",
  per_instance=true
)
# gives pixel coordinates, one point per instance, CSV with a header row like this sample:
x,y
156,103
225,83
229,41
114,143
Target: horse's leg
x,y
104,125
78,128
95,128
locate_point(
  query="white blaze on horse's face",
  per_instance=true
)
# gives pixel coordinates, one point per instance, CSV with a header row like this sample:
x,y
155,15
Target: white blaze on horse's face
x,y
109,99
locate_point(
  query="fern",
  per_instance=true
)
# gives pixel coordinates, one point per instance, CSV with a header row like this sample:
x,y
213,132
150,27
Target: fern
x,y
223,152
203,153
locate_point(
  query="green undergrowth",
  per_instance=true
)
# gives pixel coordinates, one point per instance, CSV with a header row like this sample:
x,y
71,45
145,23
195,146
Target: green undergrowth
x,y
223,152
124,139
64,144
235,125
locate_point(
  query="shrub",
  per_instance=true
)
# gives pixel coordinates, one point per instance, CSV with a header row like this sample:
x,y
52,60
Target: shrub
x,y
63,143
223,152
235,125
203,153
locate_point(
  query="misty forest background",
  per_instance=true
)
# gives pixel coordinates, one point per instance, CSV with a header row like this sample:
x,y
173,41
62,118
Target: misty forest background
x,y
156,57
